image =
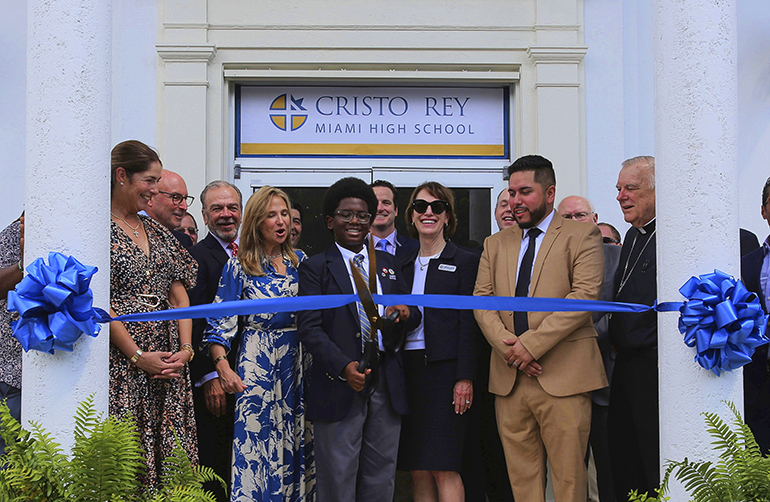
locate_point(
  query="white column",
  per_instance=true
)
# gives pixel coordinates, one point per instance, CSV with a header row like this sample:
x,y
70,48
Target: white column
x,y
67,190
697,203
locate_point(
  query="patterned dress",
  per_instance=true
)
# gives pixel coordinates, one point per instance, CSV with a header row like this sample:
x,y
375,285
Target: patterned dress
x,y
160,407
272,443
10,348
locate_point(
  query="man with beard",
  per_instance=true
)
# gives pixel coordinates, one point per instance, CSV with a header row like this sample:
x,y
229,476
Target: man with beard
x,y
548,415
214,410
170,205
384,225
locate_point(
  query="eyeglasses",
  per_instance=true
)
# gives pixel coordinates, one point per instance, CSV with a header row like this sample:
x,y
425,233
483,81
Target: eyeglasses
x,y
177,198
347,216
189,230
610,240
438,206
575,216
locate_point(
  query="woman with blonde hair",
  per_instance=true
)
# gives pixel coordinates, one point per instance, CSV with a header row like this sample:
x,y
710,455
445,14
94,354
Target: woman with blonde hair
x,y
272,443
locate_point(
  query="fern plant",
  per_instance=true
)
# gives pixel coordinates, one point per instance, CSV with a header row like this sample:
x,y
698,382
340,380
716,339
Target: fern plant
x,y
106,464
106,457
741,474
33,467
182,482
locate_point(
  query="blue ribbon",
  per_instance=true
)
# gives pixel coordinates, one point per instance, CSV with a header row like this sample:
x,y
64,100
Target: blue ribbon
x,y
55,304
722,320
455,302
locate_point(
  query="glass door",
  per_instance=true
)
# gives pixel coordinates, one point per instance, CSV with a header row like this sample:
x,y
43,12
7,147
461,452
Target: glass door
x,y
475,192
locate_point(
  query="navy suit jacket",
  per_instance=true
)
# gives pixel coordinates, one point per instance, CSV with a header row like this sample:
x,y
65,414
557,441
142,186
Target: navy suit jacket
x,y
602,323
450,334
407,246
749,241
333,336
183,239
754,372
211,258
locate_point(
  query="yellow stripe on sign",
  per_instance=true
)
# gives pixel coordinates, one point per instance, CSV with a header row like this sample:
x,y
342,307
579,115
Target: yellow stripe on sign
x,y
353,149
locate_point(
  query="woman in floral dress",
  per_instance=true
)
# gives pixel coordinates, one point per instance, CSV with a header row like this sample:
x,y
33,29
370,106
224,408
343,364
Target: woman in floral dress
x,y
149,378
272,443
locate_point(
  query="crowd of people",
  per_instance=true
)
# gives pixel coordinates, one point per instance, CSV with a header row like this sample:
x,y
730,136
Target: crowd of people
x,y
473,405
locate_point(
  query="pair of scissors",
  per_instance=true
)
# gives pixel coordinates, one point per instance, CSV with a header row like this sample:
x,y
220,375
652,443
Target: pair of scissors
x,y
370,357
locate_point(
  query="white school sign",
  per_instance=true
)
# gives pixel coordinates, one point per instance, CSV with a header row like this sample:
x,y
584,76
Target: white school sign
x,y
404,122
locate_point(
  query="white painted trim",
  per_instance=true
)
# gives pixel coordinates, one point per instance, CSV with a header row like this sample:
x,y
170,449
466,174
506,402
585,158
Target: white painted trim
x,y
378,75
201,83
186,52
546,54
364,27
557,84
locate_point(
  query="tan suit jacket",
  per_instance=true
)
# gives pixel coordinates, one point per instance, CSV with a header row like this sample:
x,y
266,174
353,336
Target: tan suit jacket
x,y
569,264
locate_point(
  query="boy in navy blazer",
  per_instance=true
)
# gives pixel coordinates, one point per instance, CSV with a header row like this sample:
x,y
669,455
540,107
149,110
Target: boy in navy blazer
x,y
356,437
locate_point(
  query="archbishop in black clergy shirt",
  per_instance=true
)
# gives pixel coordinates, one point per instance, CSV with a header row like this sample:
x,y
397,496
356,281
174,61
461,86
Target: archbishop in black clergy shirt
x,y
632,420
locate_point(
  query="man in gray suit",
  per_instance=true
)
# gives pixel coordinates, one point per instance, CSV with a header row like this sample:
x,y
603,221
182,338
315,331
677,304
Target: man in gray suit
x,y
579,208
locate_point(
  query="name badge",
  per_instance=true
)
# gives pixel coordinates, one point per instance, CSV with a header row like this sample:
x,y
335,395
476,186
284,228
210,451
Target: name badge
x,y
445,267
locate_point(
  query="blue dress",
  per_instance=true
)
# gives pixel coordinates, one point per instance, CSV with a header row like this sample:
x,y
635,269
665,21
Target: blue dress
x,y
272,444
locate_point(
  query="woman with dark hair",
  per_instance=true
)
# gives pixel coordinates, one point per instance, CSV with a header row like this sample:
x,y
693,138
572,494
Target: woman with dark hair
x,y
441,354
272,443
150,271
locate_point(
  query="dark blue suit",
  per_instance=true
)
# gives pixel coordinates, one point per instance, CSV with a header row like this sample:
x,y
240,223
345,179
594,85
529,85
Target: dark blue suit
x,y
756,389
183,239
449,333
356,438
432,435
406,246
333,336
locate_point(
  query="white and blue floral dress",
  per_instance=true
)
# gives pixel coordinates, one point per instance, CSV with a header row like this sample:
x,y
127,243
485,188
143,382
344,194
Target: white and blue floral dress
x,y
272,444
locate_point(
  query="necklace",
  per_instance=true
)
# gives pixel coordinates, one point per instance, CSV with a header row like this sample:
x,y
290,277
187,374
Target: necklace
x,y
626,272
134,228
273,256
423,265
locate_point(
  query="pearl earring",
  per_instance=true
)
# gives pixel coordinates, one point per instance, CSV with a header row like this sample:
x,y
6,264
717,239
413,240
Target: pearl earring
x,y
121,183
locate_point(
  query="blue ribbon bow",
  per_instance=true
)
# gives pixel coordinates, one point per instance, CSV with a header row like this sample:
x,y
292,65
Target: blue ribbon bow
x,y
722,320
55,304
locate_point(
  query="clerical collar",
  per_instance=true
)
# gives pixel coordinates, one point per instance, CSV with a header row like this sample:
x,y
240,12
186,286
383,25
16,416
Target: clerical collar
x,y
649,227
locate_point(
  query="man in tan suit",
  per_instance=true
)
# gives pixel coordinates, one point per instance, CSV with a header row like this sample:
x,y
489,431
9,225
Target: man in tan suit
x,y
543,364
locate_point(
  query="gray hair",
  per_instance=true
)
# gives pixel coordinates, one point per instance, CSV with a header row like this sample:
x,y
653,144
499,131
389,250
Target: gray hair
x,y
217,184
646,161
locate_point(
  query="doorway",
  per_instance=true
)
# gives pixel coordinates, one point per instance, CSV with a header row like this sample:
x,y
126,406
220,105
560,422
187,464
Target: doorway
x,y
474,192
